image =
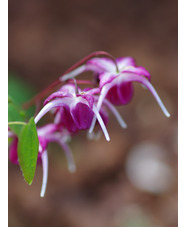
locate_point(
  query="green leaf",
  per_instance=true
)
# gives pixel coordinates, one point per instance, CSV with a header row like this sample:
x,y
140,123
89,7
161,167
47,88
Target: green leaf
x,y
28,146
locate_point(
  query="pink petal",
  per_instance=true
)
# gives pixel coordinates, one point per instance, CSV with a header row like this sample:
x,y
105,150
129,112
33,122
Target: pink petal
x,y
13,151
101,65
138,70
125,61
82,115
120,94
106,78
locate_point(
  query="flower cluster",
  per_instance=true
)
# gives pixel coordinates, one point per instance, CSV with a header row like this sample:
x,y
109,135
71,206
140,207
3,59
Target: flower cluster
x,y
76,109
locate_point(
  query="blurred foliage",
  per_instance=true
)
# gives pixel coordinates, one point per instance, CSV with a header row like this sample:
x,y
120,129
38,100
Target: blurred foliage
x,y
20,91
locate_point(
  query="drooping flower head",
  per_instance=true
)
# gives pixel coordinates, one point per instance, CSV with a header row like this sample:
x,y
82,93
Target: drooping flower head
x,y
117,87
75,109
116,83
46,134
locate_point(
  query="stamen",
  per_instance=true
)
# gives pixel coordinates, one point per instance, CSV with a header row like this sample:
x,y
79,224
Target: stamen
x,y
102,125
44,158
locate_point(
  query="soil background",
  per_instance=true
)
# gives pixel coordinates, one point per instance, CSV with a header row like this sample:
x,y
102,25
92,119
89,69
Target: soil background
x,y
47,37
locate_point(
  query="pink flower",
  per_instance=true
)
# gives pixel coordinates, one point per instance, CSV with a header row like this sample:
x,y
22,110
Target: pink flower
x,y
116,83
117,87
46,134
74,110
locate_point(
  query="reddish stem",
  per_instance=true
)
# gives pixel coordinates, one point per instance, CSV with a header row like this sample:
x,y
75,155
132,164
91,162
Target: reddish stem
x,y
43,93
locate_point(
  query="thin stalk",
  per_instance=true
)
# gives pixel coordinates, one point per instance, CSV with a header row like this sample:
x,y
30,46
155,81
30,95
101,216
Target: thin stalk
x,y
16,123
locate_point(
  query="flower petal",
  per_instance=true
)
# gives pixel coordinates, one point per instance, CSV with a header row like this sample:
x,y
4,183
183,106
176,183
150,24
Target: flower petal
x,y
73,73
133,77
44,158
54,103
65,91
102,96
67,120
82,115
138,70
106,78
89,98
47,129
121,93
13,151
69,156
116,113
123,62
102,125
57,94
100,65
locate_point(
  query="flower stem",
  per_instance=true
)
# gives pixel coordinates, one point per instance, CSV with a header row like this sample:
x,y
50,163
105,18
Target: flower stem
x,y
42,94
16,123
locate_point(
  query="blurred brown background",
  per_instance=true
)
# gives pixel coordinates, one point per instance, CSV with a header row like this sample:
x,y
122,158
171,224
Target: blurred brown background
x,y
132,180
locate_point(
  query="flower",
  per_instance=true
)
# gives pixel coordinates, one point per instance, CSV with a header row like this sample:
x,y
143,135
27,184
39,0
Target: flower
x,y
46,134
116,83
117,87
75,109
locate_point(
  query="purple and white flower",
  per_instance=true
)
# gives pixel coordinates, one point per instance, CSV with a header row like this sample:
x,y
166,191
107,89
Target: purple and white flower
x,y
116,83
75,109
117,87
46,134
